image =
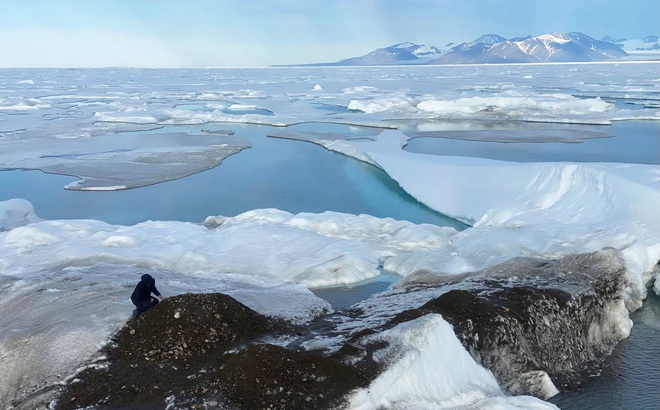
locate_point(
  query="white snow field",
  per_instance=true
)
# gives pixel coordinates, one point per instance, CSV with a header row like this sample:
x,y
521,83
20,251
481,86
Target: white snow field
x,y
64,284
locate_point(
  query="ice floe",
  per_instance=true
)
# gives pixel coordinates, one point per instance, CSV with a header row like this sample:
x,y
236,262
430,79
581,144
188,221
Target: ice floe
x,y
520,209
125,160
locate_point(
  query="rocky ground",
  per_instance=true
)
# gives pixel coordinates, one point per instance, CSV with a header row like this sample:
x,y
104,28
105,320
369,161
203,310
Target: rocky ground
x,y
204,351
210,351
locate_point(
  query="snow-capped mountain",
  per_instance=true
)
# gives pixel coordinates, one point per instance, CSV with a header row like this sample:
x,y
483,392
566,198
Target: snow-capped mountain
x,y
489,39
406,53
493,48
479,45
418,50
553,47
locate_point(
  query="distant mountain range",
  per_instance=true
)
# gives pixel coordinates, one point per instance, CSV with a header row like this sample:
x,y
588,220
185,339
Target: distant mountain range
x,y
554,47
493,48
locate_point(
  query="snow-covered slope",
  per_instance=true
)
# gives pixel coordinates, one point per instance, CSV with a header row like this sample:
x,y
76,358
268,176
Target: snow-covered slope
x,y
648,43
488,39
647,46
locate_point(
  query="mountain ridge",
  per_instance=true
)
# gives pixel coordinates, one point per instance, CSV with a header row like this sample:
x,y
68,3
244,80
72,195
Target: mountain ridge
x,y
552,47
493,48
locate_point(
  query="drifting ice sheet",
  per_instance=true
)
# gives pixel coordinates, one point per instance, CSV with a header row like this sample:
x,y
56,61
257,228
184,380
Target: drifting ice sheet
x,y
113,162
538,209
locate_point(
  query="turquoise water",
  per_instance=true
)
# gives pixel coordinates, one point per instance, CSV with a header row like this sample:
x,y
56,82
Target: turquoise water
x,y
288,175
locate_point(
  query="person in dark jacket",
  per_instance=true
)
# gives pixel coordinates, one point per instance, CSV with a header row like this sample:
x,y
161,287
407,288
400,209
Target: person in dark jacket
x,y
141,296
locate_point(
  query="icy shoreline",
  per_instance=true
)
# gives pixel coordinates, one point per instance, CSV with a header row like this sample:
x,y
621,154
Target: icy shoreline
x,y
61,267
541,210
501,319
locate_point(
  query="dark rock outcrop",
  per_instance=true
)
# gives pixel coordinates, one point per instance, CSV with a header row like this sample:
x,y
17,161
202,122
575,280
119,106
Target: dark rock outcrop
x,y
528,319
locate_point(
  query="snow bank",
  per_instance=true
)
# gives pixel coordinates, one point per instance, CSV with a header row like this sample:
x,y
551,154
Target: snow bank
x,y
121,117
315,250
428,368
512,104
519,104
382,104
16,212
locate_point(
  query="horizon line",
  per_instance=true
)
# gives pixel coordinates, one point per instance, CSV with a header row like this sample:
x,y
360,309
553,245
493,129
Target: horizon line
x,y
327,65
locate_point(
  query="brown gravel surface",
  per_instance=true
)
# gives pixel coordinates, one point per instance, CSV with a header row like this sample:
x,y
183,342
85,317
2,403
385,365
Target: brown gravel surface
x,y
203,351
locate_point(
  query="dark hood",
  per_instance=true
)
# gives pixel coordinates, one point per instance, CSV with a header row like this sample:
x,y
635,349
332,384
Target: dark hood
x,y
148,280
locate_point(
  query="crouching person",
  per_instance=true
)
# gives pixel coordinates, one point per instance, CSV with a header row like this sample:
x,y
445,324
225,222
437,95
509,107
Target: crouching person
x,y
141,296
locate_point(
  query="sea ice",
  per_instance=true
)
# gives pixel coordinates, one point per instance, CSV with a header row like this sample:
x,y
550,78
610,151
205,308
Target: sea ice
x,y
112,162
265,258
312,249
511,136
81,105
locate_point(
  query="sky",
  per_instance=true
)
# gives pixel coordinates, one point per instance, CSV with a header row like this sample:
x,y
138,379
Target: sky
x,y
203,33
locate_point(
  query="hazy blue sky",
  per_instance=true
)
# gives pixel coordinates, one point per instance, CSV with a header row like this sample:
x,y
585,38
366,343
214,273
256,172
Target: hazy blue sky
x,y
264,32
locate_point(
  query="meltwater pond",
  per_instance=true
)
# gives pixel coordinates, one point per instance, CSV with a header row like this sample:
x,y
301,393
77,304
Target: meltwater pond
x,y
287,175
300,177
633,142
